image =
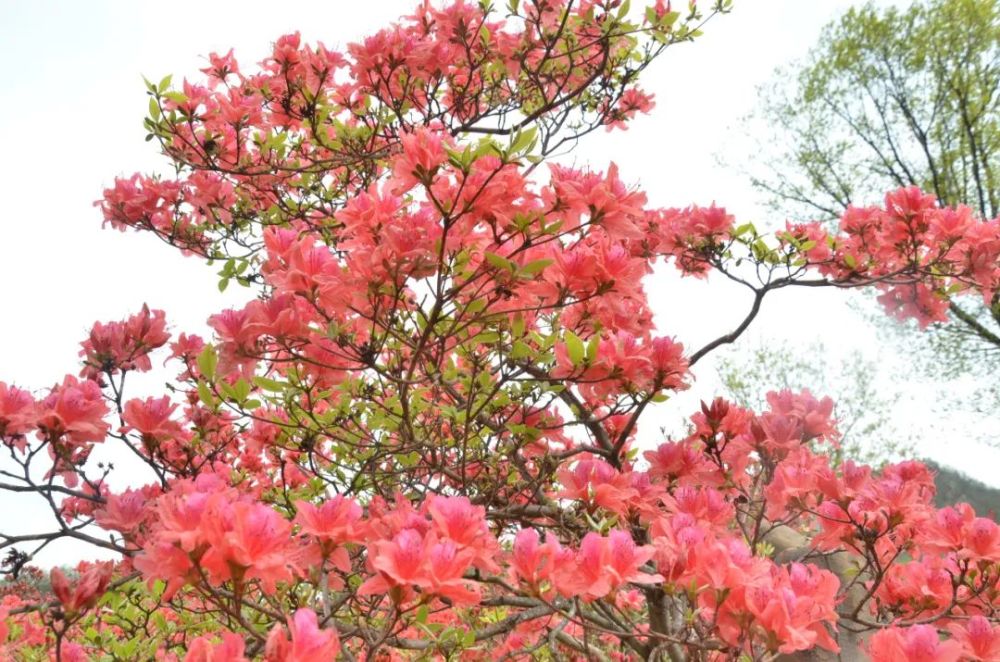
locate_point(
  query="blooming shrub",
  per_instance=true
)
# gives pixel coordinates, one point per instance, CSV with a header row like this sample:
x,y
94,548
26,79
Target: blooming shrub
x,y
419,439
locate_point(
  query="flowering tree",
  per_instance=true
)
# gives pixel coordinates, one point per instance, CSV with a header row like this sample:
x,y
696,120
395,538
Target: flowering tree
x,y
418,441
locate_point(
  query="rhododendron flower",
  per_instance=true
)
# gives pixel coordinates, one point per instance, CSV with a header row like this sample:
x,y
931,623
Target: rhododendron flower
x,y
464,524
400,563
446,570
535,563
918,643
248,541
669,365
221,66
597,483
85,591
705,504
687,235
124,345
983,539
123,512
816,416
979,639
422,560
73,652
206,649
308,641
947,529
676,460
336,520
71,419
796,606
918,585
16,411
151,418
795,484
915,300
75,411
604,564
423,152
632,101
161,560
778,433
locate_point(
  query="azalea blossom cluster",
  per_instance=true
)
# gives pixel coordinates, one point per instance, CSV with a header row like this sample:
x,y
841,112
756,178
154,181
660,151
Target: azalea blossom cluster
x,y
919,253
117,346
318,122
690,496
420,438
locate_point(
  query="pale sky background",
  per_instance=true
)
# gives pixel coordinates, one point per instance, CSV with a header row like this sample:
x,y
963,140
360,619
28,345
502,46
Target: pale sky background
x,y
71,120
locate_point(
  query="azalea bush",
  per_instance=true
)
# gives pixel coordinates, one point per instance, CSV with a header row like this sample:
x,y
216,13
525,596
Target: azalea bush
x,y
418,440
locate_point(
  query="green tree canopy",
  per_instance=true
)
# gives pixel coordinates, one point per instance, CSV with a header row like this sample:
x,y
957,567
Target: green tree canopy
x,y
892,97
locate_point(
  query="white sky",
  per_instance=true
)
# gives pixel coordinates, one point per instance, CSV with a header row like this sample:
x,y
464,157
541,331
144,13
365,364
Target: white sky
x,y
71,120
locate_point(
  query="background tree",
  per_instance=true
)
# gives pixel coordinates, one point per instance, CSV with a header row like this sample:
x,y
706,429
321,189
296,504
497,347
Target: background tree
x,y
898,96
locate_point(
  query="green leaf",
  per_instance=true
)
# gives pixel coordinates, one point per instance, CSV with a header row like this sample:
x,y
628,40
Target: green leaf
x,y
176,97
475,306
228,391
269,384
535,267
207,362
486,146
408,459
574,348
205,395
500,262
520,350
524,140
461,160
517,326
241,389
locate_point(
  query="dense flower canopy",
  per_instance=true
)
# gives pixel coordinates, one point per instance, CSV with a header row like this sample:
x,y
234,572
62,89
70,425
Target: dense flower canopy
x,y
418,440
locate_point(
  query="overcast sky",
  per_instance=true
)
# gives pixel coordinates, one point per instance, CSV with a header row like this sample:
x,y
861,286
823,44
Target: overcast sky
x,y
71,120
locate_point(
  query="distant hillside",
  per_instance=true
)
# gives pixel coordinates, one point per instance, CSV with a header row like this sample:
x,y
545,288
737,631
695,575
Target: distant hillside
x,y
954,486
